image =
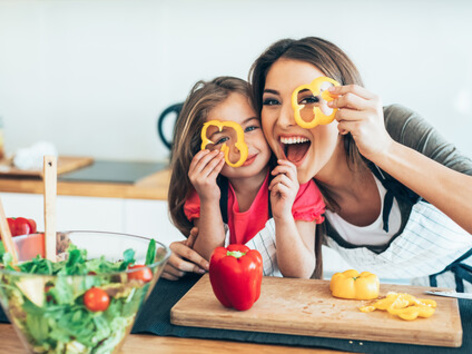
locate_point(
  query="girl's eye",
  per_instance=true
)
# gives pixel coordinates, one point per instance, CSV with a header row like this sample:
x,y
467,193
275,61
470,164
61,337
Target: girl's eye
x,y
221,140
310,100
250,128
270,102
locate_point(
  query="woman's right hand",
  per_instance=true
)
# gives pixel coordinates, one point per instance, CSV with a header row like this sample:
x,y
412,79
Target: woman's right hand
x,y
205,167
184,259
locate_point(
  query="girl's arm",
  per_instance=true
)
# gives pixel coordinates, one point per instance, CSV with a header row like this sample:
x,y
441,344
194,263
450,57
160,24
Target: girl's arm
x,y
361,114
295,239
203,171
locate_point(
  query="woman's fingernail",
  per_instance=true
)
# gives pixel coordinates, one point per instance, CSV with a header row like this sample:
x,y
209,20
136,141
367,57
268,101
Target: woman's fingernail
x,y
201,271
332,88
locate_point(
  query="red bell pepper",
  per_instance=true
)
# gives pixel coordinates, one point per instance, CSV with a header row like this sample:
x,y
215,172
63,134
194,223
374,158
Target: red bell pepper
x,y
236,276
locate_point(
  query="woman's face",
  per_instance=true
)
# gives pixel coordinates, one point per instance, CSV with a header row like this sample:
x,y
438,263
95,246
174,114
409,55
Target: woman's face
x,y
309,149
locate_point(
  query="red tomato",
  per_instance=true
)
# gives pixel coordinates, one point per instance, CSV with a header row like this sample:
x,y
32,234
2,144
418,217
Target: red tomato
x,y
33,226
96,299
12,226
144,274
21,226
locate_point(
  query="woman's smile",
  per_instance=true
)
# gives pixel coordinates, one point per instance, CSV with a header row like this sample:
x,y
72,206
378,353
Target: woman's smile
x,y
294,148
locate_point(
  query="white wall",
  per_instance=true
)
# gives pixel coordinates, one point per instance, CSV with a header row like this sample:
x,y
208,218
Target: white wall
x,y
92,76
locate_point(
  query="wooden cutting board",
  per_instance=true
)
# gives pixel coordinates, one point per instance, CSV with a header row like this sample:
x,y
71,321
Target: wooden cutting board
x,y
306,307
64,164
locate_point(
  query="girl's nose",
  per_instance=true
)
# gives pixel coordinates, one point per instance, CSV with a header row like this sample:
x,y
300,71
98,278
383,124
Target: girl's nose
x,y
286,118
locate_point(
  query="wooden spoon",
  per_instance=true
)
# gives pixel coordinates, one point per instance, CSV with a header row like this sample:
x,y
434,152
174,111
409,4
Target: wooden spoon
x,y
50,191
6,235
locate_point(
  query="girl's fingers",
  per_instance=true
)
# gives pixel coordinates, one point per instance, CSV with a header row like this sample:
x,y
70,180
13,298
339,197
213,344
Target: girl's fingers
x,y
282,180
285,167
205,164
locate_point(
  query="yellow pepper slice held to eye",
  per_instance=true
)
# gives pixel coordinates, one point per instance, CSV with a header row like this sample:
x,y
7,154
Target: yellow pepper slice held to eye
x,y
315,114
352,285
240,144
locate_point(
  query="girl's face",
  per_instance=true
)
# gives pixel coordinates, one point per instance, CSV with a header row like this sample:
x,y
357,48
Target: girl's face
x,y
309,149
237,108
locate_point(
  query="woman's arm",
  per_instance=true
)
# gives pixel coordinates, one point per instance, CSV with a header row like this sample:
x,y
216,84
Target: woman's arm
x,y
184,259
295,239
361,114
203,171
448,190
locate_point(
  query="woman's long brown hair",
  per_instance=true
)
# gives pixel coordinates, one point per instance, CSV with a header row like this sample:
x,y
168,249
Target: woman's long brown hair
x,y
334,63
203,97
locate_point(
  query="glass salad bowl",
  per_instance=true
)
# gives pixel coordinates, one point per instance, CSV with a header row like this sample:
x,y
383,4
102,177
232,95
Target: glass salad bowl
x,y
86,301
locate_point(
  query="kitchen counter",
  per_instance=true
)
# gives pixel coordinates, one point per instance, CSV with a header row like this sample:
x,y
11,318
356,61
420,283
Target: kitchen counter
x,y
141,343
152,187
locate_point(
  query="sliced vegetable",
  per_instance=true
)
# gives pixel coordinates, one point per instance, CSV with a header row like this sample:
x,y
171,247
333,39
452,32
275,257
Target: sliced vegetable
x,y
239,144
405,306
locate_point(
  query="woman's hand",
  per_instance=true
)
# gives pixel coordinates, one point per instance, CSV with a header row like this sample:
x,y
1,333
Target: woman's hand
x,y
203,170
283,189
360,113
184,259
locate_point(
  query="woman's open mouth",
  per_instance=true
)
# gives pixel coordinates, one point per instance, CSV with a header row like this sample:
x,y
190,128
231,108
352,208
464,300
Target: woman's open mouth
x,y
295,148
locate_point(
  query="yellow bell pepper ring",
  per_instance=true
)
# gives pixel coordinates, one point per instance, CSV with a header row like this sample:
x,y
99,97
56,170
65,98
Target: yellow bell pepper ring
x,y
319,117
240,144
352,285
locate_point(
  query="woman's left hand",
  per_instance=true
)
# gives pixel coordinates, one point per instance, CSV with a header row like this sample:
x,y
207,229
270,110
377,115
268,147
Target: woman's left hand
x,y
283,188
360,113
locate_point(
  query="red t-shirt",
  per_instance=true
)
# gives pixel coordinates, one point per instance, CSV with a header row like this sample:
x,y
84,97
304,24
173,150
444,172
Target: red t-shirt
x,y
243,226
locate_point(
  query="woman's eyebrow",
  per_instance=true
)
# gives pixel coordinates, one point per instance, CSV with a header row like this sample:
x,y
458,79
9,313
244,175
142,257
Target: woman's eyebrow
x,y
275,92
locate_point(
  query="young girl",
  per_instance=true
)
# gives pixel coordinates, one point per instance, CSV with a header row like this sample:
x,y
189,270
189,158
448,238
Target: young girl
x,y
203,186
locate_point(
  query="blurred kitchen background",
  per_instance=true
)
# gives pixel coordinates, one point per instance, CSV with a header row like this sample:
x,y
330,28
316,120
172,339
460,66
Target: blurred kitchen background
x,y
92,76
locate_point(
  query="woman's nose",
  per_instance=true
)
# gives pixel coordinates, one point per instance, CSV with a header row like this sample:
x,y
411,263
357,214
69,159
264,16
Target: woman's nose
x,y
286,117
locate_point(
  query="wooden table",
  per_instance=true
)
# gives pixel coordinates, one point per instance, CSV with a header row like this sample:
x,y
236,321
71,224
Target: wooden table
x,y
151,187
140,343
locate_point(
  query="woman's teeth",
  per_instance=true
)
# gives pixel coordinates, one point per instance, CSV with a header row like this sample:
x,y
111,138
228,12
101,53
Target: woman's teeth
x,y
293,140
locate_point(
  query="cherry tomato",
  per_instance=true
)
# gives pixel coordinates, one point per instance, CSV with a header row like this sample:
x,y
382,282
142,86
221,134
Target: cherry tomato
x,y
144,274
96,299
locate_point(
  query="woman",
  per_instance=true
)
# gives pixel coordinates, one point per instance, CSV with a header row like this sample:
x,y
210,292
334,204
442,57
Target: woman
x,y
376,168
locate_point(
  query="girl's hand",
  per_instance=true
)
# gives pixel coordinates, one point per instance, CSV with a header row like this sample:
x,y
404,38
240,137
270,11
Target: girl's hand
x,y
283,189
203,170
360,113
184,259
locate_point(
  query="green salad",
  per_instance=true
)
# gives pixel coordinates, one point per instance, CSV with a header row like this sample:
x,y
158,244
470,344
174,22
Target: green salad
x,y
77,305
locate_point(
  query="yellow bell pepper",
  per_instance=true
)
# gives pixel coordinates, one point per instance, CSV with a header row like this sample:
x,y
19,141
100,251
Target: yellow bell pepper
x,y
405,306
318,116
352,285
240,144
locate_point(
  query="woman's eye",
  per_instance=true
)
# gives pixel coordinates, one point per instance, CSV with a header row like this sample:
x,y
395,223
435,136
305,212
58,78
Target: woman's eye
x,y
270,102
310,100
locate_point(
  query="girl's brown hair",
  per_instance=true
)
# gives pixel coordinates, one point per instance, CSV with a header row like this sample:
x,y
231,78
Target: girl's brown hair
x,y
203,97
334,63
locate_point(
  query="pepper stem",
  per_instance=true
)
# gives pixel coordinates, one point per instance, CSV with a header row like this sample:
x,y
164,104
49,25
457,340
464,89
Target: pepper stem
x,y
236,254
